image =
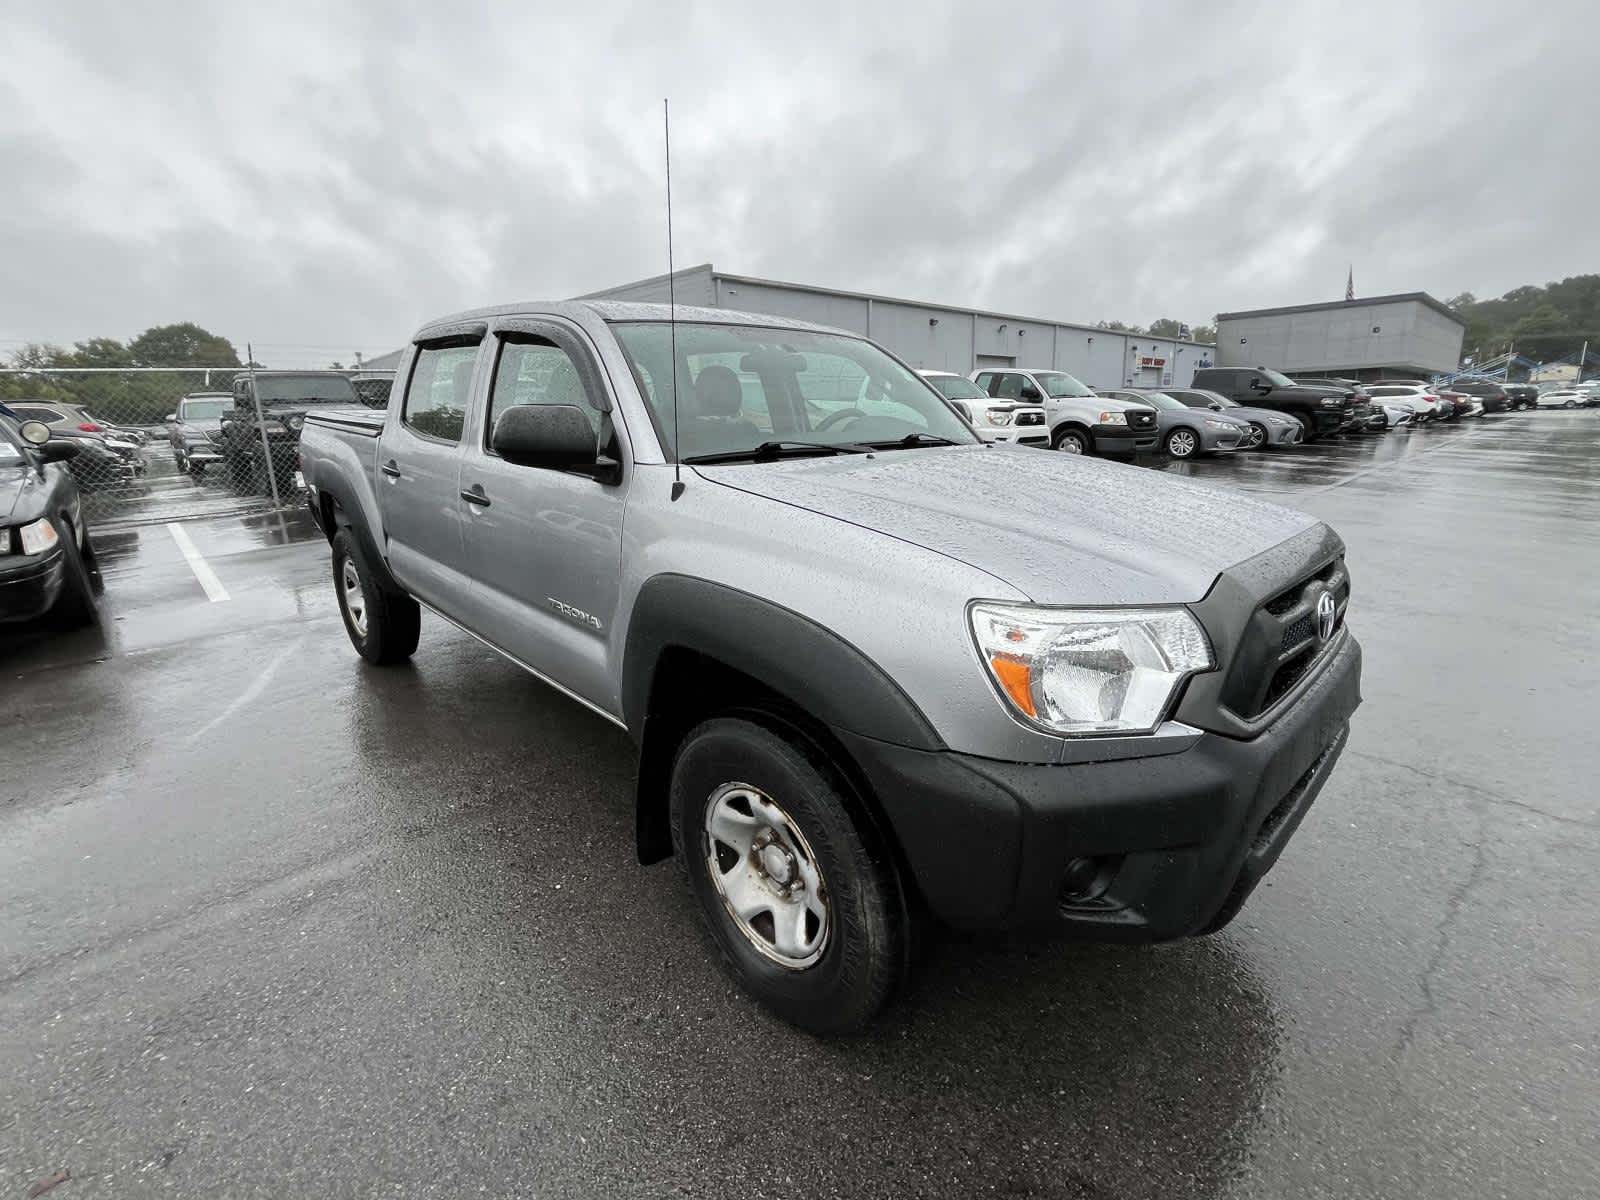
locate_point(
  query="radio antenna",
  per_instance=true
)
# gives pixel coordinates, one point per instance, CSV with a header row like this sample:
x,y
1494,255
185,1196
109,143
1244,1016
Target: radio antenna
x,y
672,305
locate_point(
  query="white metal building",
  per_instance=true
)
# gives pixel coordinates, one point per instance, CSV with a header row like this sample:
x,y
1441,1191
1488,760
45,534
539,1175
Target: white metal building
x,y
1409,334
940,336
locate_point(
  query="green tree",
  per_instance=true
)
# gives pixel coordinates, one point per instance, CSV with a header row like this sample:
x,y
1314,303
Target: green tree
x,y
1205,334
97,352
1167,327
183,345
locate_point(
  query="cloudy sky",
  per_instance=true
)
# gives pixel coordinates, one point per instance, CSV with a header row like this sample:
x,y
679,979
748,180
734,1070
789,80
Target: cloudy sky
x,y
321,179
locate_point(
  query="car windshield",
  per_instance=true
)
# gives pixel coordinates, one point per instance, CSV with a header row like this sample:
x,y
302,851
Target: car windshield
x,y
1059,384
957,387
1162,400
10,445
743,388
203,410
1278,378
312,389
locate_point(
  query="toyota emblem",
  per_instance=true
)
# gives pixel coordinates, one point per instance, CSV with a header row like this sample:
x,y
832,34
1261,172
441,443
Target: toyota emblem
x,y
1325,612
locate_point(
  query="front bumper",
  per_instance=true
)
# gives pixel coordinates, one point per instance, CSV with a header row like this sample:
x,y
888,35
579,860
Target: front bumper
x,y
29,586
1025,435
1119,439
1179,838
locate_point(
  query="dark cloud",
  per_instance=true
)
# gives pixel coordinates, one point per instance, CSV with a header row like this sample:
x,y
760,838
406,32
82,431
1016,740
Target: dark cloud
x,y
321,179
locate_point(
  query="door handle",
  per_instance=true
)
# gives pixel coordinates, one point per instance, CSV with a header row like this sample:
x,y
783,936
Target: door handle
x,y
474,495
389,469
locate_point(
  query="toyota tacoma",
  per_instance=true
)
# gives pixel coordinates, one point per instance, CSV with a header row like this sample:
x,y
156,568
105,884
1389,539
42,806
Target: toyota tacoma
x,y
876,671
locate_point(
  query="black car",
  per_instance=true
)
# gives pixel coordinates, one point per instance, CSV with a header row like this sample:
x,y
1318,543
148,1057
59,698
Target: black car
x,y
47,562
1362,416
1522,395
1320,410
97,466
1487,392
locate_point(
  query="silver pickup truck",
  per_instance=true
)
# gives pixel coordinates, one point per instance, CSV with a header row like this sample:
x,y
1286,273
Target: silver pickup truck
x,y
877,671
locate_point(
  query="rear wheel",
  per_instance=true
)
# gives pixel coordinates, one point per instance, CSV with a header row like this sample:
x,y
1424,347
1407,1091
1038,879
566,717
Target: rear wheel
x,y
384,626
1182,443
804,914
1070,441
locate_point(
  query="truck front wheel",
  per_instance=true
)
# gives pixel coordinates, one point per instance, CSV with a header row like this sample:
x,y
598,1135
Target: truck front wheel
x,y
384,626
1309,425
803,914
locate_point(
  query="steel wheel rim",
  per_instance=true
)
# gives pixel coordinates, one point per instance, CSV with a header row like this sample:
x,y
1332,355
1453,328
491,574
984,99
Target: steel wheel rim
x,y
1181,444
353,598
1070,445
766,875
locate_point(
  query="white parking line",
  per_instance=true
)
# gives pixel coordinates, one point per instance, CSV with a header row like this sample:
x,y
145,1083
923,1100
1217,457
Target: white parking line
x,y
214,590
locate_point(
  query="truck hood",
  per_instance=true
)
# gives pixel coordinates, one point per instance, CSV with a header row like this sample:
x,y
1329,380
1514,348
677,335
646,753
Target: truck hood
x,y
1060,528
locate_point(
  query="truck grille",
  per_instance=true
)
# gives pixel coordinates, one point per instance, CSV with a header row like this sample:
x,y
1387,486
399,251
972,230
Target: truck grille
x,y
1141,418
1282,644
1030,418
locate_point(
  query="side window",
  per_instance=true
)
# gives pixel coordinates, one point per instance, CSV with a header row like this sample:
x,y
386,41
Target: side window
x,y
26,413
1010,386
984,380
534,371
436,398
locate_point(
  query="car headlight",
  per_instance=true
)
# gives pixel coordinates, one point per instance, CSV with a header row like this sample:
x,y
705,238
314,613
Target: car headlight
x,y
1113,418
38,536
293,424
1331,402
1089,670
998,416
1210,424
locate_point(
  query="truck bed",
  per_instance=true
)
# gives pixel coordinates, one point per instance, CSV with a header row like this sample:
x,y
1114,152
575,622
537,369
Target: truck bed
x,y
366,422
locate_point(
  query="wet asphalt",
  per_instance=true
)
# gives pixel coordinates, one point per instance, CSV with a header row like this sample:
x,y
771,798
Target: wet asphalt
x,y
276,923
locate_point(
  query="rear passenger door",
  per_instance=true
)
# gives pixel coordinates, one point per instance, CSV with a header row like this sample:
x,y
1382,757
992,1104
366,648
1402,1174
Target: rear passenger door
x,y
419,464
544,545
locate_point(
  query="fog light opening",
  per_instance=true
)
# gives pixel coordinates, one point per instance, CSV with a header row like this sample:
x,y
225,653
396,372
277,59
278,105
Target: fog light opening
x,y
1085,880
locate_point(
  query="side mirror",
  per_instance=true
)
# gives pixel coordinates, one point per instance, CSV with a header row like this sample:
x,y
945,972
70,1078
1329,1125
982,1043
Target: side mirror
x,y
58,451
1029,392
170,418
555,436
35,433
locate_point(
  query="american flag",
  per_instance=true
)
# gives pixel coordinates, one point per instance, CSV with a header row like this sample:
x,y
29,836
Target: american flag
x,y
1350,283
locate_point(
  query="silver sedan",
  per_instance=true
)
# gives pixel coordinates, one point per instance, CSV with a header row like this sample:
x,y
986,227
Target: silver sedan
x,y
1184,431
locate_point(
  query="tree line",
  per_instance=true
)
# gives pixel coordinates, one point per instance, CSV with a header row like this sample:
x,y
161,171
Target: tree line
x,y
1542,323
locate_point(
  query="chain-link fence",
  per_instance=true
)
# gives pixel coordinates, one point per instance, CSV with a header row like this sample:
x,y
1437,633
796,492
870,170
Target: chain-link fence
x,y
163,445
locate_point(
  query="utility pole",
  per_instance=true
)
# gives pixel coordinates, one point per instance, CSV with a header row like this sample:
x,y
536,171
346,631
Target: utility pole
x,y
1583,357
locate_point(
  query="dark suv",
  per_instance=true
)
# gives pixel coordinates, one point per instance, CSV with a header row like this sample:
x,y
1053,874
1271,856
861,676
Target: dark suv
x,y
1320,409
1487,392
1521,395
282,398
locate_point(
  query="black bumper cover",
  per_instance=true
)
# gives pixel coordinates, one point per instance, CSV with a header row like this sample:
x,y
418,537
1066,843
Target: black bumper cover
x,y
1184,836
29,589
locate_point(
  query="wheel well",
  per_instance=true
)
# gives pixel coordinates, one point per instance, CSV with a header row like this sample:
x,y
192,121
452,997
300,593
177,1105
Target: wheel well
x,y
1076,427
689,687
332,514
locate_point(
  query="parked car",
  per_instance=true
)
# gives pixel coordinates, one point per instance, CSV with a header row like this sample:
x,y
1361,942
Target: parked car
x,y
1320,410
1393,412
1268,428
1185,432
1490,395
873,666
1465,403
1563,398
284,398
47,560
1521,395
73,421
96,467
195,430
1359,417
994,420
1423,400
1081,422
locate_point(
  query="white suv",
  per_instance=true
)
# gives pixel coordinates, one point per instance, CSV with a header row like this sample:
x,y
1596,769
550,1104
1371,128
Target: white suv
x,y
992,420
1080,421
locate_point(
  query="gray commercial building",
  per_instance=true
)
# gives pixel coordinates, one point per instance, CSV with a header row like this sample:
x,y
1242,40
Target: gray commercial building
x,y
941,336
1411,334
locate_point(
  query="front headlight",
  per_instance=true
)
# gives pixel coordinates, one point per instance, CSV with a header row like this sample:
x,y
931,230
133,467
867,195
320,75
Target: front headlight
x,y
1089,670
1331,402
1210,424
1113,418
293,423
999,416
39,536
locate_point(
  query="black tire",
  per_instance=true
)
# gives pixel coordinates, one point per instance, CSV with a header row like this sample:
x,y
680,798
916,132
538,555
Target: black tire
x,y
1258,436
389,624
1071,441
864,952
1182,443
1308,427
1570,404
75,604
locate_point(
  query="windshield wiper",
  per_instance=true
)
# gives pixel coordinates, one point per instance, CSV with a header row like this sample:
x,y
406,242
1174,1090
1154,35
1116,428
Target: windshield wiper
x,y
767,451
912,440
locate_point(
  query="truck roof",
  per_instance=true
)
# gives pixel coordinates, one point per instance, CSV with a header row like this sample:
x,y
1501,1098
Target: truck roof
x,y
585,311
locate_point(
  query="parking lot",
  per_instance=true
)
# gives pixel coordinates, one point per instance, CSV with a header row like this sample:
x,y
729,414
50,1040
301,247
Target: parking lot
x,y
277,923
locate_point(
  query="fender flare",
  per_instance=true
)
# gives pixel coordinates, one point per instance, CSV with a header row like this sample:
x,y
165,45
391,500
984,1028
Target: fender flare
x,y
801,661
344,515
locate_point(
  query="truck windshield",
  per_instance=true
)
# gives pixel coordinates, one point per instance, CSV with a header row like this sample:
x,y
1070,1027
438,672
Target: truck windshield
x,y
740,388
311,389
203,410
957,388
1278,378
1058,384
